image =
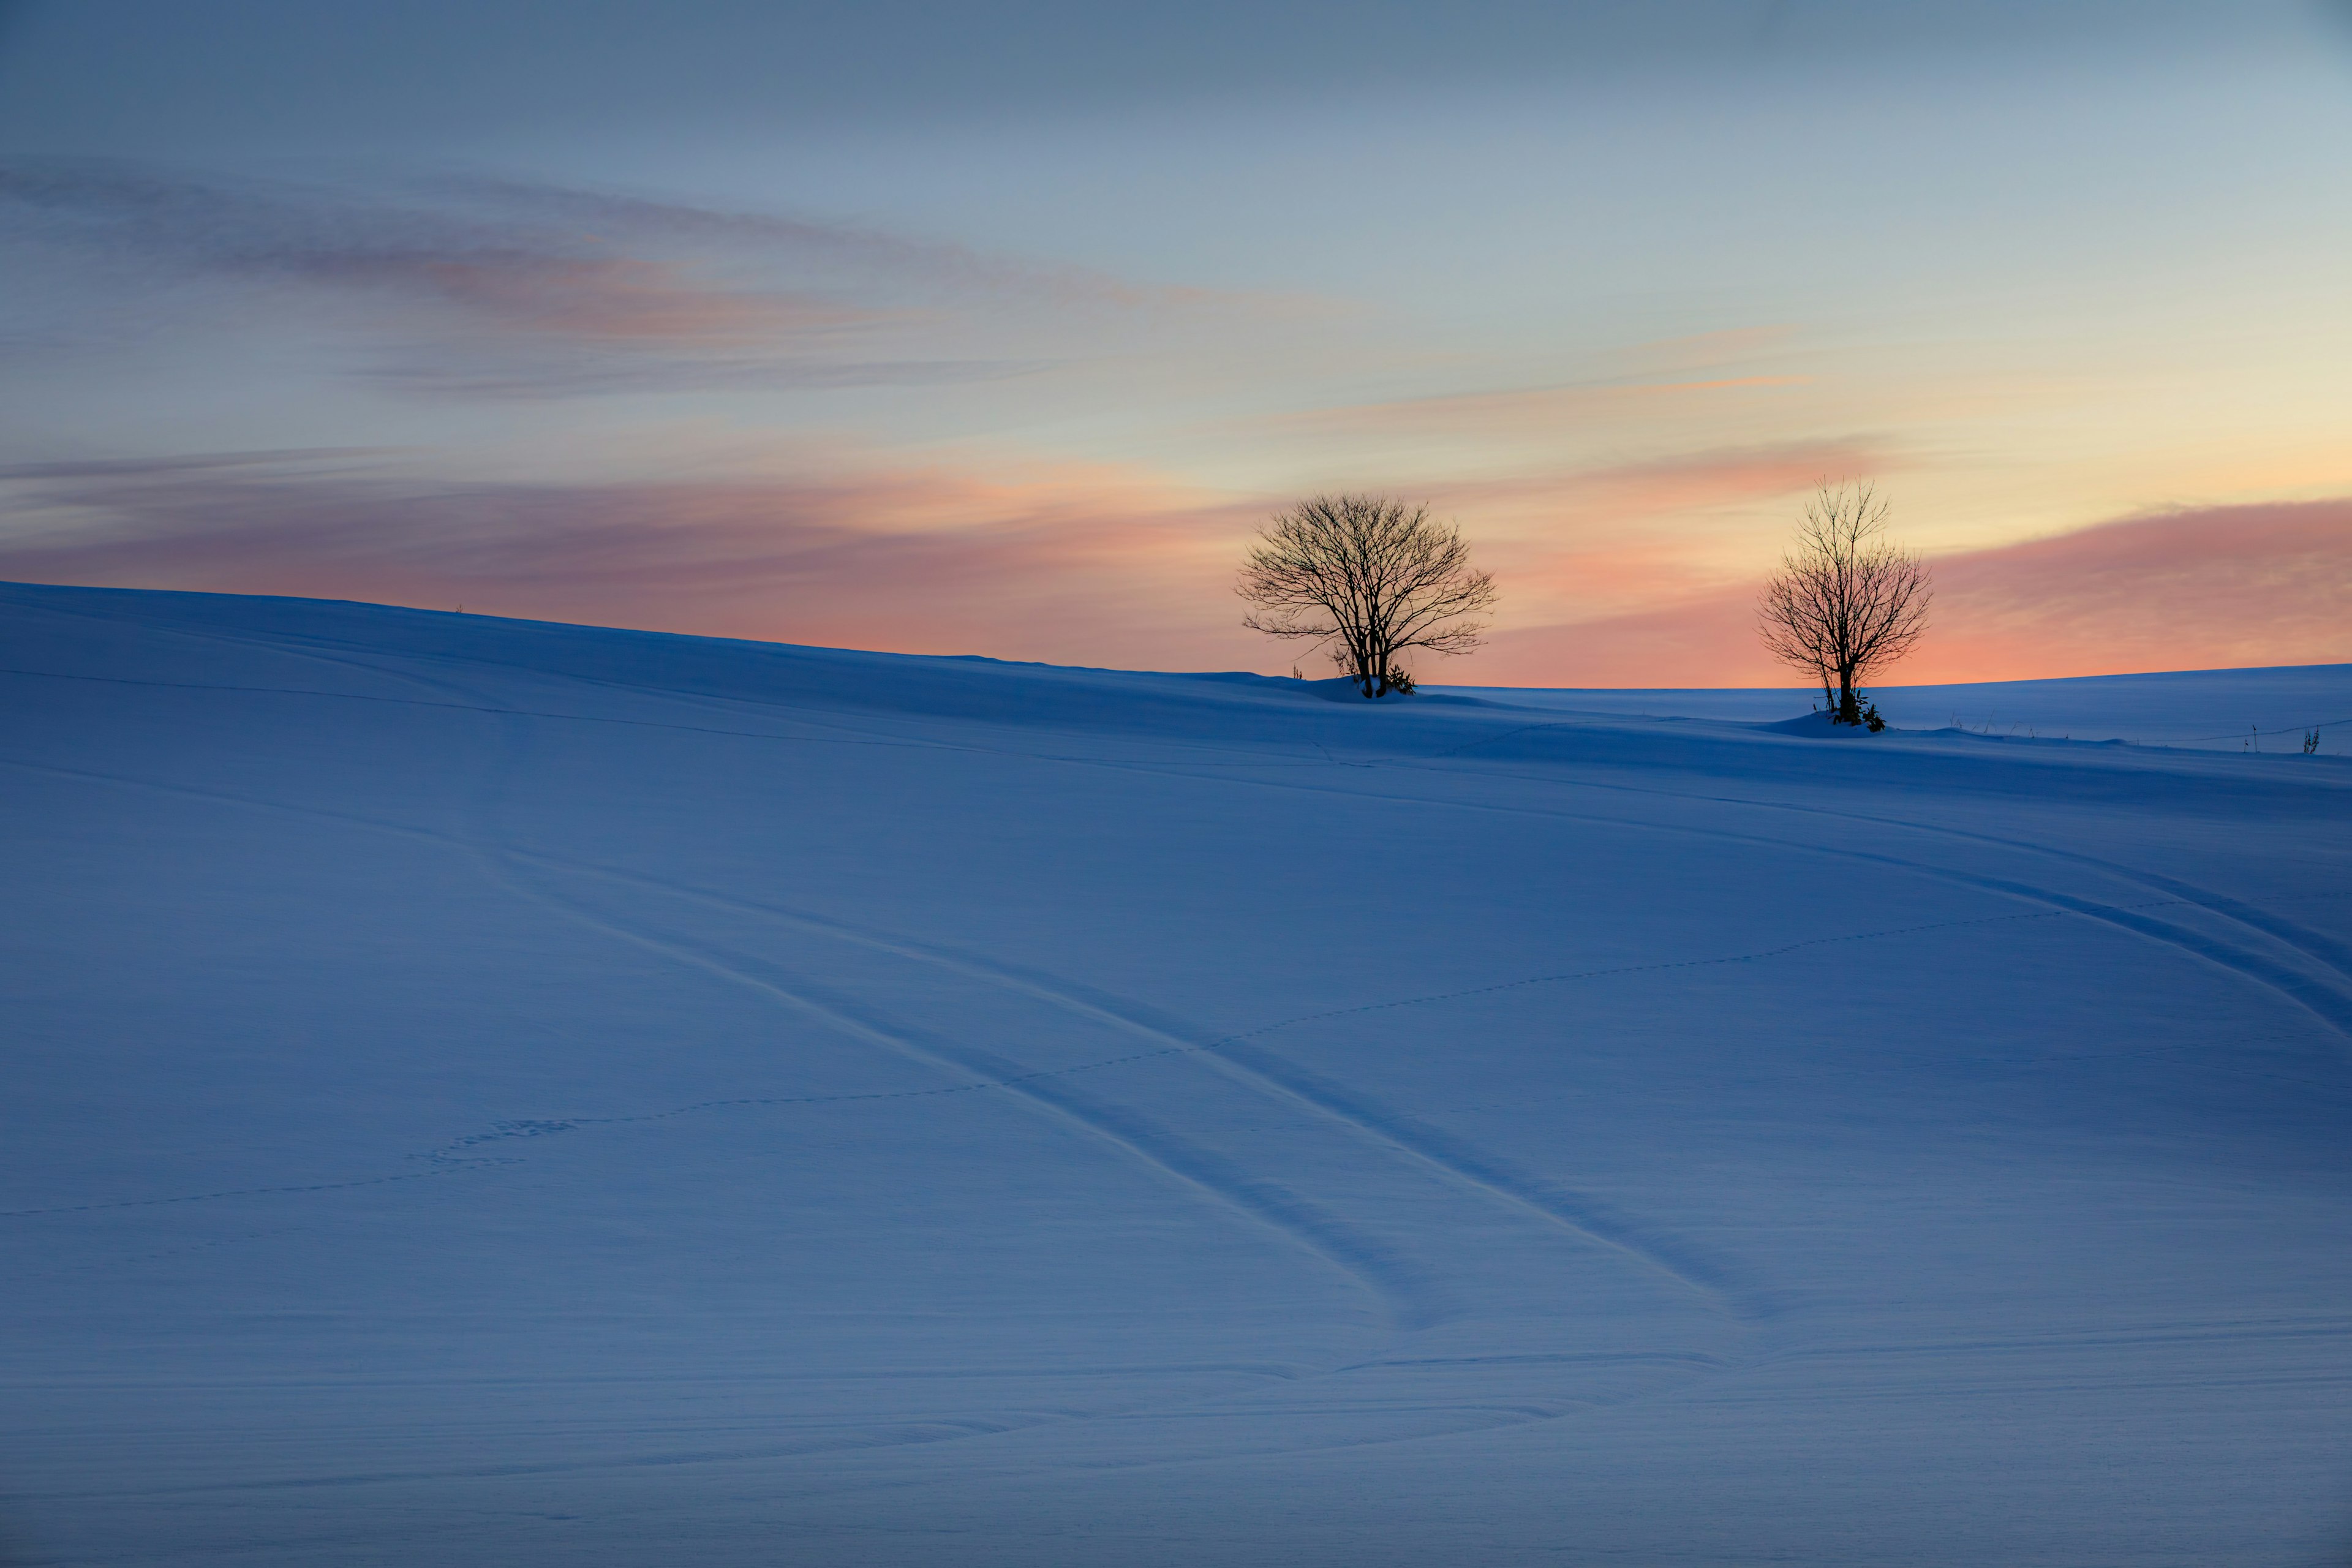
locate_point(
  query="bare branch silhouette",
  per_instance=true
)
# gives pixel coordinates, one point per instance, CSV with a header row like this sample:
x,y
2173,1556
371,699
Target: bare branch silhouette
x,y
1845,604
1370,576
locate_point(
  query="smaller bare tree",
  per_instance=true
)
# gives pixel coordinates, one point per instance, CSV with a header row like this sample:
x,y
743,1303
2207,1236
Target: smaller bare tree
x,y
1371,577
1845,604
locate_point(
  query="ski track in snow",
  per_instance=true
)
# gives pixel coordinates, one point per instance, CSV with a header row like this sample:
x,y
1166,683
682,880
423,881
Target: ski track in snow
x,y
2335,955
1410,1298
1408,1295
1286,1081
2326,1001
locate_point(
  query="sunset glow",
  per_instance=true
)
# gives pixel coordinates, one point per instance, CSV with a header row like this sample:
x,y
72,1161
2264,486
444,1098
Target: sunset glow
x,y
953,352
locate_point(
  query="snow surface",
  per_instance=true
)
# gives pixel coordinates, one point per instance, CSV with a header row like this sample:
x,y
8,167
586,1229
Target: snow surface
x,y
2223,710
483,1092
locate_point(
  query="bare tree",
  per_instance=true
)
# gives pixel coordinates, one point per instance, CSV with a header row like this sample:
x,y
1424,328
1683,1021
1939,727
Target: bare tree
x,y
1371,577
1845,602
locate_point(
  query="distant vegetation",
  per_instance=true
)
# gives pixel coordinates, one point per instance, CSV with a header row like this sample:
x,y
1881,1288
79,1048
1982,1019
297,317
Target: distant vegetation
x,y
1370,578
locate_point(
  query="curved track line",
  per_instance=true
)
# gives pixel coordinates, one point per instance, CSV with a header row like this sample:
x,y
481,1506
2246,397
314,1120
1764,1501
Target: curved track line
x,y
2324,998
1459,1163
2332,1010
2328,950
2324,1002
1409,1297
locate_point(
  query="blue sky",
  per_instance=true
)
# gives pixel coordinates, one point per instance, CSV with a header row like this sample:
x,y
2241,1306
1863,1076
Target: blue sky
x,y
997,329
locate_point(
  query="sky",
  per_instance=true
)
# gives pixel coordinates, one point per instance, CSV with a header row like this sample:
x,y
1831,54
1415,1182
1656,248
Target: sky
x,y
1000,328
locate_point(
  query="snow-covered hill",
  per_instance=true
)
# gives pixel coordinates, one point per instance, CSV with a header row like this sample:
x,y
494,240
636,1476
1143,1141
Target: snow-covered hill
x,y
2214,710
482,1092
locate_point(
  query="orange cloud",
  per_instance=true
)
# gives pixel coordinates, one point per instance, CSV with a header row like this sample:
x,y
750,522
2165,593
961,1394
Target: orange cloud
x,y
1572,543
2205,588
1683,482
1083,564
1071,565
2214,587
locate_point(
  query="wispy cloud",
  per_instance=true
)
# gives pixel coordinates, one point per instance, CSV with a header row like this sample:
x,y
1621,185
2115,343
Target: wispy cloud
x,y
1711,376
495,273
1679,481
1067,563
1518,410
509,289
857,251
1068,560
1094,565
2213,587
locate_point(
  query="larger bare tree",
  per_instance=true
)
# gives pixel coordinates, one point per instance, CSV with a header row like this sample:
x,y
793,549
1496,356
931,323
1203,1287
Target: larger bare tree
x,y
1845,604
1371,577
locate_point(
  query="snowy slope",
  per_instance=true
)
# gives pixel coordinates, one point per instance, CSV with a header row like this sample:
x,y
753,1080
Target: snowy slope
x,y
485,1092
2224,710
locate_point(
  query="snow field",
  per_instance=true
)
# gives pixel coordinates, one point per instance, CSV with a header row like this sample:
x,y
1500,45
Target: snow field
x,y
495,1092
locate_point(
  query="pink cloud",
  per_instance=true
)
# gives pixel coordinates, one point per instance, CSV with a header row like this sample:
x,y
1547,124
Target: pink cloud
x,y
1071,565
1572,542
1093,565
1681,482
513,289
2205,588
2214,587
